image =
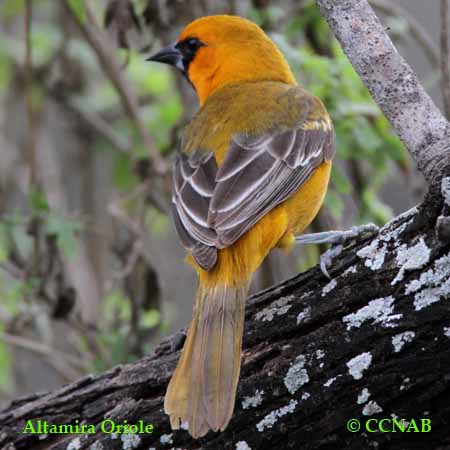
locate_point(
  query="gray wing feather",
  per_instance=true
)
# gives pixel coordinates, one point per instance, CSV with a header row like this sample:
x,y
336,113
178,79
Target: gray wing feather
x,y
193,187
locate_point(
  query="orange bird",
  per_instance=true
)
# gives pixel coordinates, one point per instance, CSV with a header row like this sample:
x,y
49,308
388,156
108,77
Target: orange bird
x,y
251,174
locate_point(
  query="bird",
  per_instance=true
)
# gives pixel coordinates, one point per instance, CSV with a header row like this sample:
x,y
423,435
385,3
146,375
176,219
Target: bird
x,y
250,175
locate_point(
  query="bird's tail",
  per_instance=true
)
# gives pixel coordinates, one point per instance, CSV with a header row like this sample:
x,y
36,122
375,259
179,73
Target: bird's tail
x,y
203,387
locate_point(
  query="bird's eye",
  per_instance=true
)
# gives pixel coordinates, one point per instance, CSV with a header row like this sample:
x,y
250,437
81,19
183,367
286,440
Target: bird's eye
x,y
191,45
188,48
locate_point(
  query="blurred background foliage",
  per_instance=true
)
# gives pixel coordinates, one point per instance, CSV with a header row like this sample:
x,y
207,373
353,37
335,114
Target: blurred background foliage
x,y
91,272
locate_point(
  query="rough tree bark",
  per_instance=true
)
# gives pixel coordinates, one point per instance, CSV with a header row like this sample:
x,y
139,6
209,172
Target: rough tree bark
x,y
371,343
393,84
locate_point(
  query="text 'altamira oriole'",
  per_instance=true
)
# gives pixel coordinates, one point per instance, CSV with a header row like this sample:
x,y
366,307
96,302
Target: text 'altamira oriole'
x,y
251,173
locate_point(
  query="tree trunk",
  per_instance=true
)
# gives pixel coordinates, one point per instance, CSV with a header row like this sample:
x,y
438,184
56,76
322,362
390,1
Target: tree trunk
x,y
370,344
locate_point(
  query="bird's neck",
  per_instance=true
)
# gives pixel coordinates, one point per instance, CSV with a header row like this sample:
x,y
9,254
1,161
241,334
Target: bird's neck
x,y
242,70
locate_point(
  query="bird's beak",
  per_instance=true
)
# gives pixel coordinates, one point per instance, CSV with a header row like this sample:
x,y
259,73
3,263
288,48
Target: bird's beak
x,y
169,55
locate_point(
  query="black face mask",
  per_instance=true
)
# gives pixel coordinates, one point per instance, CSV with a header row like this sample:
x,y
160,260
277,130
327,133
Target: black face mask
x,y
179,55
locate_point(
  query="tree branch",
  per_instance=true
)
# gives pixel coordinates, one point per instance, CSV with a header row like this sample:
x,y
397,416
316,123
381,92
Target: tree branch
x,y
31,137
107,59
393,85
418,32
370,344
445,52
31,117
41,349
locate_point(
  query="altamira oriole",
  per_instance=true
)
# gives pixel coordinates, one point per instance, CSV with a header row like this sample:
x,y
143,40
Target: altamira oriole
x,y
251,173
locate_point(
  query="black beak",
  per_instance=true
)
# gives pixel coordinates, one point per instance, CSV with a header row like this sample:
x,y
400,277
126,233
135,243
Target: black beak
x,y
169,55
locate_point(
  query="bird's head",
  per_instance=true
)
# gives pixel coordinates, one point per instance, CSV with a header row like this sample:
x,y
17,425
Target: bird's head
x,y
216,50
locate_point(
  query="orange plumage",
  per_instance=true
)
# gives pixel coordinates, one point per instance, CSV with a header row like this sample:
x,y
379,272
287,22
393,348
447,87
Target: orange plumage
x,y
253,171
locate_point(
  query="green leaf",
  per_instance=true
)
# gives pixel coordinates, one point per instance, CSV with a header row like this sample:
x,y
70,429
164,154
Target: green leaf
x,y
6,383
119,349
5,243
256,15
375,209
22,241
158,222
79,9
170,111
13,292
38,202
5,69
365,136
10,8
150,318
117,305
341,181
65,232
123,175
150,79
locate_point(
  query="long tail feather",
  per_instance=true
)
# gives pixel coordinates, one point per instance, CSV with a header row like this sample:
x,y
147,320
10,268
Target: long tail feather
x,y
203,388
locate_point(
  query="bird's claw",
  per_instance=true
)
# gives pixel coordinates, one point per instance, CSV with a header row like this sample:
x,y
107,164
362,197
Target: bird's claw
x,y
326,259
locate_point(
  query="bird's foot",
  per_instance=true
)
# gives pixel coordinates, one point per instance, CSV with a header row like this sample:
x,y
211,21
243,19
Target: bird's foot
x,y
337,239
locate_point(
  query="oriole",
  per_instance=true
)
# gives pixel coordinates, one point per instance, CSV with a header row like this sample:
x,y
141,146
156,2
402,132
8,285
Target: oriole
x,y
251,173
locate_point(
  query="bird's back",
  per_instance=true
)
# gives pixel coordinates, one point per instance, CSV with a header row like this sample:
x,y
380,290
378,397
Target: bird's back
x,y
248,107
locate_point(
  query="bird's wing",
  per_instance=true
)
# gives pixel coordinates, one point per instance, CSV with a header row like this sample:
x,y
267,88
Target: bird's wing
x,y
214,206
259,173
193,188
